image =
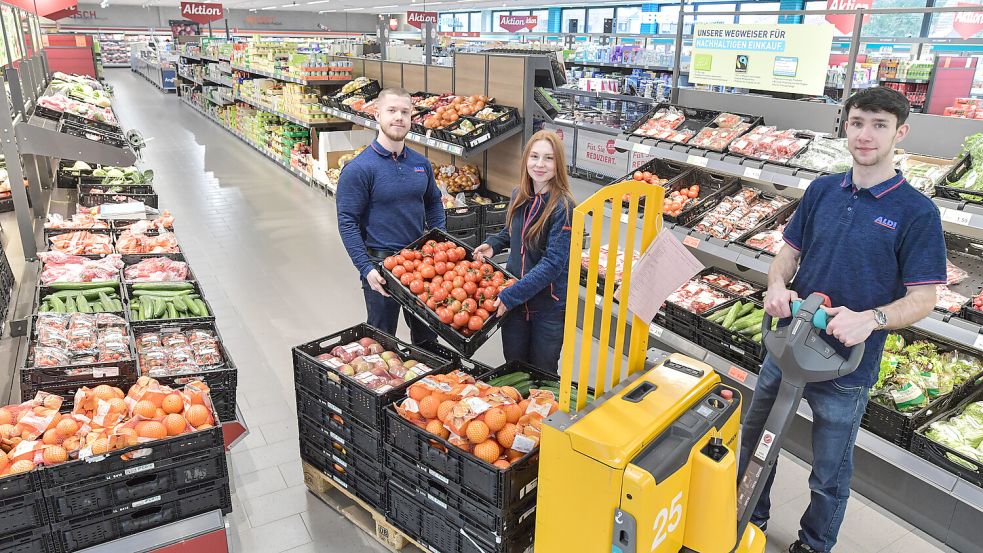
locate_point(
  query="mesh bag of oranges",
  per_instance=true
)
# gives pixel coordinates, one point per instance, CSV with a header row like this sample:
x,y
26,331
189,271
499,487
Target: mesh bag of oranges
x,y
34,433
495,424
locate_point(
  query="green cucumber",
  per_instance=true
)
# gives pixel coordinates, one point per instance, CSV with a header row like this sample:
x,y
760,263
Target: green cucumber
x,y
202,308
134,314
171,311
718,316
748,307
160,307
164,286
757,338
91,293
57,304
161,293
732,315
146,309
117,306
179,304
106,301
509,379
70,306
83,304
750,321
76,286
44,308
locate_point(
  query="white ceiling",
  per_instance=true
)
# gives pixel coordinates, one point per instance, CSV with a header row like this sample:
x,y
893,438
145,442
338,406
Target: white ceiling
x,y
375,6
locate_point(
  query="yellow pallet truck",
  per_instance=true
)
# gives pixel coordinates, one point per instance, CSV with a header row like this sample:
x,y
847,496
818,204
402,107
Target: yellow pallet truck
x,y
651,464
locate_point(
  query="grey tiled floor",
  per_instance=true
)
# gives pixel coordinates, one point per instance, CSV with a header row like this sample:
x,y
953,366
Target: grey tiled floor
x,y
267,253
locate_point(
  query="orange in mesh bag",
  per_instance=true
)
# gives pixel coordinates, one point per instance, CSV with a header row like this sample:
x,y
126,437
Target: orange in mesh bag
x,y
102,406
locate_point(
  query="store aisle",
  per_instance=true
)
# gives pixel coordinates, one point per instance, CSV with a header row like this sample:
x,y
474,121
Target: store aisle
x,y
266,250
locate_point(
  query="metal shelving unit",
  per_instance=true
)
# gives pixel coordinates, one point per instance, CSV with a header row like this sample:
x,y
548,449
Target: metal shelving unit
x,y
604,95
289,78
223,82
444,146
292,118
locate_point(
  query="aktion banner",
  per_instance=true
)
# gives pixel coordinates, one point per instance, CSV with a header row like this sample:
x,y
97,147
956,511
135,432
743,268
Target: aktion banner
x,y
779,58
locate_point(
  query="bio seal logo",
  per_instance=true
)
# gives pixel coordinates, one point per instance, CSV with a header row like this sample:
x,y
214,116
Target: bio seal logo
x,y
202,13
886,223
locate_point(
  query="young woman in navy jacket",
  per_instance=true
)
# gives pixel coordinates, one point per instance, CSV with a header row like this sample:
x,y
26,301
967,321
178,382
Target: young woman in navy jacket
x,y
537,233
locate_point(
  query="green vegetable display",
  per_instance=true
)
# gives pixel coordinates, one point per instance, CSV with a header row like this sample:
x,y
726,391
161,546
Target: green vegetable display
x,y
166,300
523,382
913,375
973,178
82,297
962,433
123,175
743,318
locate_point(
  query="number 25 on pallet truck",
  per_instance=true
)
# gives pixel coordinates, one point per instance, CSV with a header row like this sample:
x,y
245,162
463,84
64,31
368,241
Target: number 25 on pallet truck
x,y
651,465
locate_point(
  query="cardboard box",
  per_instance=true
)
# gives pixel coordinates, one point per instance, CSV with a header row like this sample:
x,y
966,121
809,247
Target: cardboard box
x,y
340,141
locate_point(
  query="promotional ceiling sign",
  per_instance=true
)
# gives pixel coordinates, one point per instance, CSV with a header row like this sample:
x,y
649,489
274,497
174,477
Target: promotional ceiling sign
x,y
967,24
419,19
842,21
513,23
393,23
70,11
201,12
780,58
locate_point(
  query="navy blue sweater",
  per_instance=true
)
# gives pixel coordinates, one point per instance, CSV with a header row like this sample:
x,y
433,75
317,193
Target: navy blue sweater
x,y
385,202
542,270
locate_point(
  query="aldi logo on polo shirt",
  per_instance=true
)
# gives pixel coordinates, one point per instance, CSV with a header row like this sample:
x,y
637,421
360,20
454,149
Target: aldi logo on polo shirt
x,y
886,223
419,170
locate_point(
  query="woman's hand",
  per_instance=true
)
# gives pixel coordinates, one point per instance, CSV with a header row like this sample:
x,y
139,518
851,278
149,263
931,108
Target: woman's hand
x,y
501,309
483,251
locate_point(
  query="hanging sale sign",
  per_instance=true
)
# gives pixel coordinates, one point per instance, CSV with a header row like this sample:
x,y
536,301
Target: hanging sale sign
x,y
780,58
600,154
842,21
419,19
513,23
200,12
967,24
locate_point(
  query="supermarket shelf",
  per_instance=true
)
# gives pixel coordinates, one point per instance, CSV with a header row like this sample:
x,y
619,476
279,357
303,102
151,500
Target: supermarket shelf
x,y
204,532
190,78
190,57
663,68
287,116
442,145
218,102
40,136
285,166
602,129
223,82
604,95
291,79
905,81
892,477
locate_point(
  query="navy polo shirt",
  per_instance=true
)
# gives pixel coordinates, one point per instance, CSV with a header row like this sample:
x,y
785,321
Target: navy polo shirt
x,y
385,202
862,248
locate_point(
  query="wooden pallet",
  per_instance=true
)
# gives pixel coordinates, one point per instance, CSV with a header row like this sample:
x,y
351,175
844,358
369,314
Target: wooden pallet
x,y
358,512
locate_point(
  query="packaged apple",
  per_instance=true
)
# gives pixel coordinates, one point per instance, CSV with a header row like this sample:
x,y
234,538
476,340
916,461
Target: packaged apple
x,y
368,364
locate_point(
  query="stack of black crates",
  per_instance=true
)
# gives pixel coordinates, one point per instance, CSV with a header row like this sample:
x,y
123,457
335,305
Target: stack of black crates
x,y
341,421
472,223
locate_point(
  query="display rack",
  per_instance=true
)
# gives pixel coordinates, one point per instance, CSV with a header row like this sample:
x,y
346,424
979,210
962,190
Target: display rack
x,y
290,78
157,75
292,118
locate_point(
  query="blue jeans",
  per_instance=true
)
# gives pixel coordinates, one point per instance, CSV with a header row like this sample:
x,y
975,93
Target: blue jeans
x,y
383,313
536,341
836,418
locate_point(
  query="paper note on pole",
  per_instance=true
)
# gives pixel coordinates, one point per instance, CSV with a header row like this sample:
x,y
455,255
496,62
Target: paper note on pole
x,y
665,266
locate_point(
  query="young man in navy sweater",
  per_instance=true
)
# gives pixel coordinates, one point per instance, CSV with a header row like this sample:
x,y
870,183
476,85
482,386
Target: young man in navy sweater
x,y
874,245
387,198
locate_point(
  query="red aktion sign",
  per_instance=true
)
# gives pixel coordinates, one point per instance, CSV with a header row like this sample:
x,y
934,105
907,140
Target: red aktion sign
x,y
842,21
967,24
200,12
419,19
513,23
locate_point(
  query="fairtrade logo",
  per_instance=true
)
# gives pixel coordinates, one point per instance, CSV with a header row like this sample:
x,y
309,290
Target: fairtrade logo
x,y
741,65
886,223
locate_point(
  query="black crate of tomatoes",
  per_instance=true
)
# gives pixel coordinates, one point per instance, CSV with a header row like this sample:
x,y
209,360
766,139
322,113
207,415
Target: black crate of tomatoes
x,y
438,279
360,370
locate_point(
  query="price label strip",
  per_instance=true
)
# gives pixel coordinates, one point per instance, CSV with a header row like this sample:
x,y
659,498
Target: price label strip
x,y
697,160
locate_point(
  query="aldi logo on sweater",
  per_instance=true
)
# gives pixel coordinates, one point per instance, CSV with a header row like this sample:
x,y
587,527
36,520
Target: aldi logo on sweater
x,y
886,223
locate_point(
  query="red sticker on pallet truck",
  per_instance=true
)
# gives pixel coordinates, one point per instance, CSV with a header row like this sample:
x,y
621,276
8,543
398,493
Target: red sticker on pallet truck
x,y
737,374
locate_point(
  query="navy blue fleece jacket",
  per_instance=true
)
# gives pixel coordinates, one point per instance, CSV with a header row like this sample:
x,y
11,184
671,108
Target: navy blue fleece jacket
x,y
542,270
385,202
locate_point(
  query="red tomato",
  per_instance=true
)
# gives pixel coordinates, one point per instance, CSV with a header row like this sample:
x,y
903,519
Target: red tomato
x,y
417,263
399,259
469,305
475,265
490,292
487,269
406,279
475,323
440,267
693,193
461,254
483,313
460,319
445,315
432,304
454,307
472,277
389,263
427,249
408,254
439,247
470,288
416,286
428,261
461,269
441,255
458,281
487,305
439,294
459,294
399,271
427,271
637,175
498,274
422,296
497,283
436,281
408,265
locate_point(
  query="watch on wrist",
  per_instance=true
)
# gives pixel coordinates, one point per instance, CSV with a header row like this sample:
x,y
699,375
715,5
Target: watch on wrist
x,y
880,318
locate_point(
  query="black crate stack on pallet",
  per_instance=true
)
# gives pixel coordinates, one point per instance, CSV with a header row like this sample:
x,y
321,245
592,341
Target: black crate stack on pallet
x,y
472,223
341,420
24,515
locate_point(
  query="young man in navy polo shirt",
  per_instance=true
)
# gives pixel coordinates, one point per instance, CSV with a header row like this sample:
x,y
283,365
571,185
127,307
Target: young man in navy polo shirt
x,y
874,245
387,198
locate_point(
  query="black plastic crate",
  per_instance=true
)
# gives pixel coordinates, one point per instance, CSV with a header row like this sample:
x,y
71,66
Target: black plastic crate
x,y
93,200
459,363
48,113
340,426
93,134
115,522
713,188
350,397
481,133
345,453
500,488
35,540
967,254
433,530
695,119
456,506
67,389
945,189
505,122
686,317
897,427
113,189
750,120
122,488
489,231
462,218
131,259
121,460
22,512
59,232
6,204
468,237
671,171
467,345
787,208
371,491
49,232
222,382
495,213
733,346
140,324
85,121
771,223
369,91
17,485
942,455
